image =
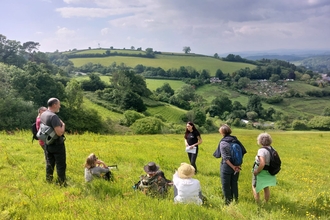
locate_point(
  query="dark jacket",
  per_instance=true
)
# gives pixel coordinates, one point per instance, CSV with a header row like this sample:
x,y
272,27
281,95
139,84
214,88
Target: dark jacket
x,y
228,139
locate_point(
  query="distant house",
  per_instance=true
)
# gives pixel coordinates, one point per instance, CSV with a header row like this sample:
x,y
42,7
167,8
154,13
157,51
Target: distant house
x,y
325,77
215,80
244,121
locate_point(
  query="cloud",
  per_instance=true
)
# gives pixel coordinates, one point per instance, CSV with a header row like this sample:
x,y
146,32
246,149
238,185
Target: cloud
x,y
227,25
64,32
104,31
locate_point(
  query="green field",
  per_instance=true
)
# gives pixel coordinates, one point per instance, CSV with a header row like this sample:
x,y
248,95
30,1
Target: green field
x,y
102,51
103,112
167,62
153,84
301,192
168,112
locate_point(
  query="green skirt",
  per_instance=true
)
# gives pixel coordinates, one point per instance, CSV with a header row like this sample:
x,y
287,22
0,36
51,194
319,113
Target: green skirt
x,y
263,180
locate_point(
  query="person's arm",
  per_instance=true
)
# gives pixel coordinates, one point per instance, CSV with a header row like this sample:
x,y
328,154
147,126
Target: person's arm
x,y
225,153
59,130
186,143
261,166
199,141
101,163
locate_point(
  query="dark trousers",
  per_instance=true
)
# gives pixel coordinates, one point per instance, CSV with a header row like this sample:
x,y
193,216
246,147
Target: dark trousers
x,y
56,155
193,158
229,183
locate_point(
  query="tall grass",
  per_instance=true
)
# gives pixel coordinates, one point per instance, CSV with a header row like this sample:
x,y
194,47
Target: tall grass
x,y
302,190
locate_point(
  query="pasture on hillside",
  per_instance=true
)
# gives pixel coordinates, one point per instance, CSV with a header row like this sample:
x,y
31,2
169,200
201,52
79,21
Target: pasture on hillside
x,y
152,84
301,193
167,62
102,51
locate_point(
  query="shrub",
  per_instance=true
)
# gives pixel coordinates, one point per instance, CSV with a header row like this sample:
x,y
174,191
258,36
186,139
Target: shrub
x,y
320,123
131,116
299,125
147,125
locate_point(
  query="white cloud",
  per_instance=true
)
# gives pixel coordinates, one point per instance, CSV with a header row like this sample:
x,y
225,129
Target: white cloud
x,y
65,32
104,31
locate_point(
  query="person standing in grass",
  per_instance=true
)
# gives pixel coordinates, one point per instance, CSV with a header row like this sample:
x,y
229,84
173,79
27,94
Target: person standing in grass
x,y
40,111
192,140
95,167
55,152
262,179
229,172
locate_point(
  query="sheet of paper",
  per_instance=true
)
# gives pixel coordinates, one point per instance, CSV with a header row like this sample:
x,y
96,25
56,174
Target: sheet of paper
x,y
193,150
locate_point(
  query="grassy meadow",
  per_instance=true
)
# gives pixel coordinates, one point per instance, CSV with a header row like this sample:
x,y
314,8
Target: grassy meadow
x,y
167,62
302,190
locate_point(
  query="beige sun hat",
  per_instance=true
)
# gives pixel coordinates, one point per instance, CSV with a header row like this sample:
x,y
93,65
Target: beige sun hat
x,y
186,171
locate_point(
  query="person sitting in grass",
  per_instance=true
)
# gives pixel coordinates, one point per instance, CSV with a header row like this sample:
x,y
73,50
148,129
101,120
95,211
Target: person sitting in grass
x,y
154,182
96,168
186,188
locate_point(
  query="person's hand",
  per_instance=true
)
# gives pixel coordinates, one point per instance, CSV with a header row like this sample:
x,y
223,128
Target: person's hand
x,y
255,172
191,147
237,169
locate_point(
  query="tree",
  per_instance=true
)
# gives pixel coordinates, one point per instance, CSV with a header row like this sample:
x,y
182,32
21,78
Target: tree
x,y
216,56
243,82
219,74
132,101
132,48
204,74
149,52
94,83
254,104
219,105
274,78
30,47
186,49
37,85
166,88
74,94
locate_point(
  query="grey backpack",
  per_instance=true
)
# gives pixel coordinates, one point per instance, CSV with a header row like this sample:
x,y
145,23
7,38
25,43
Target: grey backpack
x,y
46,134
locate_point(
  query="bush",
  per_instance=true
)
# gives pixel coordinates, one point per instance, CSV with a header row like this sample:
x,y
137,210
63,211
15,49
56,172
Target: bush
x,y
148,125
320,123
131,116
299,125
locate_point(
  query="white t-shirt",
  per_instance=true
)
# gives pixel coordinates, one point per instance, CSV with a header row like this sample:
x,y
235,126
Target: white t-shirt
x,y
188,190
262,152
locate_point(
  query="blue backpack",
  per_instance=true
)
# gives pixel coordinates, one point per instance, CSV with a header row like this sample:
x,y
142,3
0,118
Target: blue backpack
x,y
236,154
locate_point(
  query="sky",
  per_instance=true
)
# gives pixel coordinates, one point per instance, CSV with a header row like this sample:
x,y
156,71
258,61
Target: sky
x,y
206,26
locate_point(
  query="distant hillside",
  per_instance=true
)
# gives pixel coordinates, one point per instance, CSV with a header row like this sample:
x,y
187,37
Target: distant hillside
x,y
315,62
164,60
278,57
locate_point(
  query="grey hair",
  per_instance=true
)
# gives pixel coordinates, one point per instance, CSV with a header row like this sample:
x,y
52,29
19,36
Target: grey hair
x,y
264,139
52,101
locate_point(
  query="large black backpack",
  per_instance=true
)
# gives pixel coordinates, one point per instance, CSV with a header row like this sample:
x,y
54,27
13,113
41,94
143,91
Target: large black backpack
x,y
275,162
34,131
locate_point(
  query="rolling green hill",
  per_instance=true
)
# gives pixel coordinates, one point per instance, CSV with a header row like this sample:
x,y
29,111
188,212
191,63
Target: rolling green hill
x,y
166,62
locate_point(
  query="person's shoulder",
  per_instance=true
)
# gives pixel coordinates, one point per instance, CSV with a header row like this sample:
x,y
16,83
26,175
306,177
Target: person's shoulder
x,y
197,132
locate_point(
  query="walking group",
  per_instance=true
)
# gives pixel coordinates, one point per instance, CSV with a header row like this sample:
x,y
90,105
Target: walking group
x,y
154,183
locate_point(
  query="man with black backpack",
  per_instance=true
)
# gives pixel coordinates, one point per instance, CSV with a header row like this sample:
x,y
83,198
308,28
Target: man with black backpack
x,y
55,148
267,164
